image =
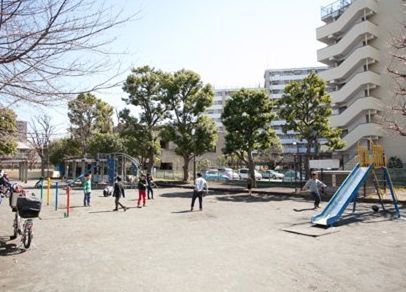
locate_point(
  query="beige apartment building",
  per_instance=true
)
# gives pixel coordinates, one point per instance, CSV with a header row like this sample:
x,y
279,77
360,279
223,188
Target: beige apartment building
x,y
357,34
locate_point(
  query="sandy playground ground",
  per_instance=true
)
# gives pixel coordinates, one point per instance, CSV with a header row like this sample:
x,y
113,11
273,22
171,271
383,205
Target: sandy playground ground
x,y
235,244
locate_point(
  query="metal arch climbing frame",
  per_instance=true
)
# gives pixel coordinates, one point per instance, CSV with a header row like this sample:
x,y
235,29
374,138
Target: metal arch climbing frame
x,y
112,167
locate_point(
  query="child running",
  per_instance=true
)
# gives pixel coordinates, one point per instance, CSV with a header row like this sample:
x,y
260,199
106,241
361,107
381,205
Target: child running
x,y
142,186
313,184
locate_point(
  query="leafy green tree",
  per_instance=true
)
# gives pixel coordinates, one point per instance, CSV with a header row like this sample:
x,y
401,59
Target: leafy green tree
x,y
247,118
192,133
306,107
271,155
64,148
105,143
89,115
8,131
134,137
146,91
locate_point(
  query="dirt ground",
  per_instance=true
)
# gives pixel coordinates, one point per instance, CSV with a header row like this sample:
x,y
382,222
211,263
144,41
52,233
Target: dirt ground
x,y
235,244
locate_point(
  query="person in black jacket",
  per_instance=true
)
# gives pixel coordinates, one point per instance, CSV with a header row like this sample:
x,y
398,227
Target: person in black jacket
x,y
150,184
117,193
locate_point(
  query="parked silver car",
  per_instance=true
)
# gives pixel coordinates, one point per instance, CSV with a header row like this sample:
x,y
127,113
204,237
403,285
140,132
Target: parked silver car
x,y
244,172
272,174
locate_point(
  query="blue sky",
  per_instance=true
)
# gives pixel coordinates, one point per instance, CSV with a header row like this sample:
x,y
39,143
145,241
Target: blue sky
x,y
229,43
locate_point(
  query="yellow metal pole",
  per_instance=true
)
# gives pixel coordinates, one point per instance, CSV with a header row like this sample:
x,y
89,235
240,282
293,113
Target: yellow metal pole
x,y
48,190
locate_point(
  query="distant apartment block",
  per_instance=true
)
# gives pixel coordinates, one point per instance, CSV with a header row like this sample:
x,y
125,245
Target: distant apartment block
x,y
275,82
357,34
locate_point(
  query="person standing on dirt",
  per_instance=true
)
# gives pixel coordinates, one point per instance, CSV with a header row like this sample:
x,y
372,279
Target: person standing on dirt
x,y
142,186
249,185
313,184
117,193
87,189
150,184
200,187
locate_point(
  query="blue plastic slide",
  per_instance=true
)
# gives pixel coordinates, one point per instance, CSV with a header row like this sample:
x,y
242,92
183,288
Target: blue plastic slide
x,y
346,193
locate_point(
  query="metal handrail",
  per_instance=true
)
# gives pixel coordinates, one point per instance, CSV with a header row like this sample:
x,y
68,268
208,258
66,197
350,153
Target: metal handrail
x,y
337,7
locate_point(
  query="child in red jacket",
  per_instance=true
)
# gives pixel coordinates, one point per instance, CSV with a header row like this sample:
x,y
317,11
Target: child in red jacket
x,y
142,186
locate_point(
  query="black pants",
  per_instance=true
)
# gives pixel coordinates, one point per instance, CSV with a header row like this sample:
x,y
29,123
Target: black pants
x,y
150,190
199,195
117,201
316,198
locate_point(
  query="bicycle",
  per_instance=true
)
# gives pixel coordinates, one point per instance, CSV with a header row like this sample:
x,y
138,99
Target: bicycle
x,y
25,210
25,232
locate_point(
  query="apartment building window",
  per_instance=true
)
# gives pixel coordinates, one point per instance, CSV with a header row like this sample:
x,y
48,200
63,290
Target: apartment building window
x,y
166,166
344,133
341,109
164,144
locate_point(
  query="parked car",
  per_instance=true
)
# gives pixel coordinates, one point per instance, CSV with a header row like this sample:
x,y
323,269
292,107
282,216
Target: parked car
x,y
290,176
272,174
228,173
244,172
211,174
214,175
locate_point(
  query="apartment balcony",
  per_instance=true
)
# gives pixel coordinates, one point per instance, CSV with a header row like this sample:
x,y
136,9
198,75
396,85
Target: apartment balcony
x,y
358,58
360,81
363,31
356,10
361,106
361,132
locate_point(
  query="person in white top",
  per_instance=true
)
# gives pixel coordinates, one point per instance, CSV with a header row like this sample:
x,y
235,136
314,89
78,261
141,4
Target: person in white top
x,y
200,187
313,184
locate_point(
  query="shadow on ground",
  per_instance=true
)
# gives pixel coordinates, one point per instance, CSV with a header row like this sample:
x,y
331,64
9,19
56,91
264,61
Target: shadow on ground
x,y
238,198
367,216
188,195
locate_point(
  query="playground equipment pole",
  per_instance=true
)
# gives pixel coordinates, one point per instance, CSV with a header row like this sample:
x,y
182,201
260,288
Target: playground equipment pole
x,y
67,201
48,190
56,196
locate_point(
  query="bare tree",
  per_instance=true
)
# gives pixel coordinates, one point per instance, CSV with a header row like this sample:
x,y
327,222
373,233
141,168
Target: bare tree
x,y
47,44
395,119
40,138
32,157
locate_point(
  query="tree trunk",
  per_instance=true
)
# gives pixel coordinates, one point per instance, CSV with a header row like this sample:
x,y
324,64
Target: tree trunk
x,y
186,160
42,166
47,161
306,164
150,163
251,167
316,149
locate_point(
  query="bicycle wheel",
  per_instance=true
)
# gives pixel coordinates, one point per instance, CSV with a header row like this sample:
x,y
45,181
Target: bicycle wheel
x,y
27,236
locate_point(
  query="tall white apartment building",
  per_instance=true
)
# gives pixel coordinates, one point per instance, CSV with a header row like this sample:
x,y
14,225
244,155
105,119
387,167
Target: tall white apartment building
x,y
357,34
217,108
275,82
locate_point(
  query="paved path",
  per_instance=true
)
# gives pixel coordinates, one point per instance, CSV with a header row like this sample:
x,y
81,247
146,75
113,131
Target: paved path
x,y
235,244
